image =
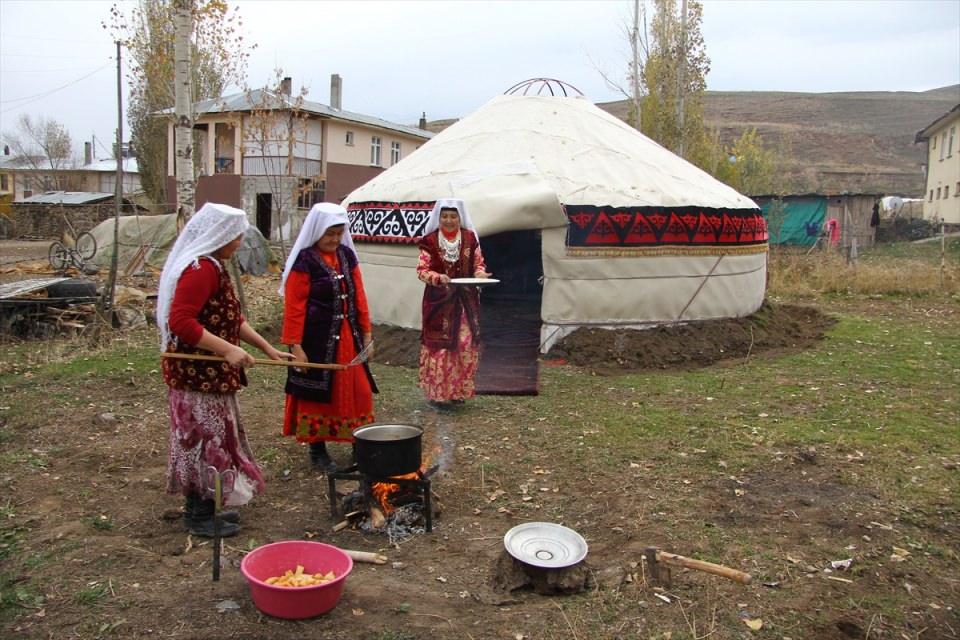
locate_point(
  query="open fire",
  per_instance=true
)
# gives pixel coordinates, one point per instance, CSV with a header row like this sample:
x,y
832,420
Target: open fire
x,y
399,506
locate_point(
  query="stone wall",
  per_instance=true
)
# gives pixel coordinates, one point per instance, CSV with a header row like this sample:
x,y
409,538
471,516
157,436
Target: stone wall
x,y
47,220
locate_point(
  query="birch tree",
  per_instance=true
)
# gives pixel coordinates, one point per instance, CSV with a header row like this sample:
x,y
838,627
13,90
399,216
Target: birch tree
x,y
219,56
183,110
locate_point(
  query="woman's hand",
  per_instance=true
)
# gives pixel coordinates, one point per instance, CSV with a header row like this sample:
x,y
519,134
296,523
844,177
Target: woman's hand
x,y
443,280
481,274
368,344
297,354
237,357
275,354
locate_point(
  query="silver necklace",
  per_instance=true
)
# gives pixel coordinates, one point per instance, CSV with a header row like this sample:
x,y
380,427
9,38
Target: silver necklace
x,y
450,249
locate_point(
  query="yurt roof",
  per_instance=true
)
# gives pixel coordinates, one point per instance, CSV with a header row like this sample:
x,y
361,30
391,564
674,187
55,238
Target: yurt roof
x,y
584,154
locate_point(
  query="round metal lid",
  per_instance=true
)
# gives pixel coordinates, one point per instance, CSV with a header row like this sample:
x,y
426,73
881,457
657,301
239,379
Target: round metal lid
x,y
545,544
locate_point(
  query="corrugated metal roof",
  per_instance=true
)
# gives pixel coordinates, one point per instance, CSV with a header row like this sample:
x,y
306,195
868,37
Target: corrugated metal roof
x,y
263,99
109,165
66,197
17,289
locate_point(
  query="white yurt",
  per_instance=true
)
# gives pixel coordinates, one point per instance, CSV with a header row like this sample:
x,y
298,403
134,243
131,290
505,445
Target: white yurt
x,y
594,222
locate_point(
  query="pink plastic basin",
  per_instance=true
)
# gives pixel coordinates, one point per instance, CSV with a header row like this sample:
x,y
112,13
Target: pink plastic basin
x,y
295,602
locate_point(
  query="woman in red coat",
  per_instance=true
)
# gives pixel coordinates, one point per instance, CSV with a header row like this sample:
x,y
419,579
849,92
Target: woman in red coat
x,y
325,320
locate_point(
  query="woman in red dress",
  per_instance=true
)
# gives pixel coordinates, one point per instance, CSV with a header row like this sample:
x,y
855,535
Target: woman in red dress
x,y
449,351
325,320
198,313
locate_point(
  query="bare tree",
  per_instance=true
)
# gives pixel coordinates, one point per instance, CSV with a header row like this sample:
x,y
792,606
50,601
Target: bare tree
x,y
43,147
639,52
275,139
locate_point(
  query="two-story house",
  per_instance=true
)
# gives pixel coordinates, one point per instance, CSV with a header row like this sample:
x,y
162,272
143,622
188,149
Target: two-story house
x,y
274,155
942,198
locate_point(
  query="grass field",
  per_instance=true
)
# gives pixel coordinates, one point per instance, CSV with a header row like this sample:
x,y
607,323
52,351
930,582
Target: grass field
x,y
777,464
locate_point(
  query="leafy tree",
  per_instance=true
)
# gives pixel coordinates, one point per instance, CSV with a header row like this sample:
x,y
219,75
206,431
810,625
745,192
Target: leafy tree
x,y
219,54
674,80
750,167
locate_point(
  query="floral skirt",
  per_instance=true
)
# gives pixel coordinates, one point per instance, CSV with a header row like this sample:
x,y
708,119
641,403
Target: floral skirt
x,y
207,438
447,374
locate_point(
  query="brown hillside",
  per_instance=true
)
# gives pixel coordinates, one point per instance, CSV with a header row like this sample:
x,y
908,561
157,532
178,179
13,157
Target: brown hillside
x,y
855,141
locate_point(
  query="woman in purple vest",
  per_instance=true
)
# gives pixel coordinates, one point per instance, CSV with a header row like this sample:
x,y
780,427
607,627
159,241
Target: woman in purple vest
x,y
326,320
198,313
449,338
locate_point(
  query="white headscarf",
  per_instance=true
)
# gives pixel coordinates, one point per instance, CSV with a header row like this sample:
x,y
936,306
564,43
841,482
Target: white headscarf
x,y
211,228
322,216
433,223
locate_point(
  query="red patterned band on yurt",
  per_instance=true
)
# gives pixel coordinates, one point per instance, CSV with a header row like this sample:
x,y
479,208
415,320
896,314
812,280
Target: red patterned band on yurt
x,y
389,222
594,230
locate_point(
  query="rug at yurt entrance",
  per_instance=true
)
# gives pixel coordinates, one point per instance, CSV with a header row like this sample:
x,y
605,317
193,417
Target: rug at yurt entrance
x,y
509,346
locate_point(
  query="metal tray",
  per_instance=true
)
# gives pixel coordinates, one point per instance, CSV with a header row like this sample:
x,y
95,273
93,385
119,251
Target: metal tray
x,y
545,544
474,282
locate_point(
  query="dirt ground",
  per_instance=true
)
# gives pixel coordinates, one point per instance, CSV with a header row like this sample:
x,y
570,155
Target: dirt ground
x,y
88,487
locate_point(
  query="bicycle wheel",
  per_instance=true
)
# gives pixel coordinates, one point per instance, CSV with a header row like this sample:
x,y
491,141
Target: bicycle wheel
x,y
59,257
86,245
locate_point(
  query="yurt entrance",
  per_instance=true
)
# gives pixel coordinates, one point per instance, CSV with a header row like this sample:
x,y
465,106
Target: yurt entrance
x,y
510,314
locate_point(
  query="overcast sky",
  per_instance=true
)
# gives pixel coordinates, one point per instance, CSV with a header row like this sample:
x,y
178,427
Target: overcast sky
x,y
448,57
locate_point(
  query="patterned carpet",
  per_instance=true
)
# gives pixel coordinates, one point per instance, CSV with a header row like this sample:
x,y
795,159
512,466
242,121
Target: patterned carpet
x,y
509,342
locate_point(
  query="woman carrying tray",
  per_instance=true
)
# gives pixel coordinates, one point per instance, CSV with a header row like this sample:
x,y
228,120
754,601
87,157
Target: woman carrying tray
x,y
449,337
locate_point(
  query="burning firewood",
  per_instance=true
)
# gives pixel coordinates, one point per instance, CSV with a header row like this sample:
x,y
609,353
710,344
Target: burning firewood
x,y
377,517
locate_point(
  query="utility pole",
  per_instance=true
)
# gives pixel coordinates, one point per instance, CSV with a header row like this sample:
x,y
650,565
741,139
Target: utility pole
x,y
183,110
106,310
635,45
681,84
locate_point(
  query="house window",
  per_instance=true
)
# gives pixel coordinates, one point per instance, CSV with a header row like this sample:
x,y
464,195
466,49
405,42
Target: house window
x,y
4,185
394,153
956,192
349,138
931,196
943,143
953,132
933,142
375,151
310,192
938,193
946,192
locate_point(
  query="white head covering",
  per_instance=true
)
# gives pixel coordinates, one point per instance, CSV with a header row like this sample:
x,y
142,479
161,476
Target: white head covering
x,y
211,228
450,203
322,216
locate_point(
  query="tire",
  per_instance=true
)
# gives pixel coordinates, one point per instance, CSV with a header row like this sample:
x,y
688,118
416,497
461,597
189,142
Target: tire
x,y
59,257
86,245
73,288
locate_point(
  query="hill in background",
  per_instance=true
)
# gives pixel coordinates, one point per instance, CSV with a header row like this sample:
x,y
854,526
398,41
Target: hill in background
x,y
856,142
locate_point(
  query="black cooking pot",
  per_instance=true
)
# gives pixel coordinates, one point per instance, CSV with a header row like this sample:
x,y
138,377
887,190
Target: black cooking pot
x,y
386,450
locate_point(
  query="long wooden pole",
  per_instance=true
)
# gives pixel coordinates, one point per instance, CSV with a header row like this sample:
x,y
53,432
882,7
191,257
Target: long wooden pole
x,y
266,361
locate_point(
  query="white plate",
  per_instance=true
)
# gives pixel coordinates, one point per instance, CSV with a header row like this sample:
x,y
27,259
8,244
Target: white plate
x,y
545,544
476,282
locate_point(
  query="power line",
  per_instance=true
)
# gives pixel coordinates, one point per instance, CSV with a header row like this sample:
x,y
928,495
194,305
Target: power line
x,y
40,96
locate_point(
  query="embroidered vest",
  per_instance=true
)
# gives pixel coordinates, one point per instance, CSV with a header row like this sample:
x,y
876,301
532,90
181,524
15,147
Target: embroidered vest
x,y
221,316
332,298
444,306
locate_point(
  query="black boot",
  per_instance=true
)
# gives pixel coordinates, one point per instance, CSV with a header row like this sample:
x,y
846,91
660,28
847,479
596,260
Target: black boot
x,y
320,459
198,519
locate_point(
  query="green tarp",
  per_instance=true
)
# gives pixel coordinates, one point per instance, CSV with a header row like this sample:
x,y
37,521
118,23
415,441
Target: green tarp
x,y
798,222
